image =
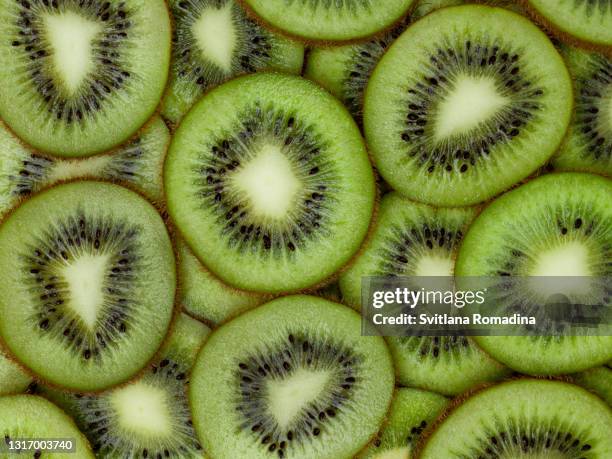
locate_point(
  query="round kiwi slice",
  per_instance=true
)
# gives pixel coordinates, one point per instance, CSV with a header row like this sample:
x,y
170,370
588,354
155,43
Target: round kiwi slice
x,y
586,22
89,288
80,77
330,21
555,225
215,40
588,144
207,298
268,180
526,419
468,101
293,378
138,164
412,410
597,380
13,379
29,417
413,239
149,417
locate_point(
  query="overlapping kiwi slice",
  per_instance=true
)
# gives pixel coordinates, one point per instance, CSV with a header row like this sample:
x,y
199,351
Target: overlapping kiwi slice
x,y
467,102
411,412
330,20
268,180
413,239
556,225
588,144
291,379
149,417
586,22
89,281
29,417
13,379
138,163
597,380
78,77
215,40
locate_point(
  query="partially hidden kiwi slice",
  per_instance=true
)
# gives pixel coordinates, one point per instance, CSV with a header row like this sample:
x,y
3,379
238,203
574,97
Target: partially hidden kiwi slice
x,y
597,380
588,23
413,239
293,378
330,21
588,144
138,163
80,77
468,101
411,412
215,40
148,417
525,418
29,417
206,297
89,284
555,225
268,180
13,379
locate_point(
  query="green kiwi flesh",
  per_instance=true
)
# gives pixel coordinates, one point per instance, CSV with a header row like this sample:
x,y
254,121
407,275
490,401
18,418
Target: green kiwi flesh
x,y
292,378
79,78
555,225
525,418
207,298
268,180
330,21
13,379
90,293
214,41
148,417
411,412
29,417
588,144
597,380
468,101
588,22
138,164
413,239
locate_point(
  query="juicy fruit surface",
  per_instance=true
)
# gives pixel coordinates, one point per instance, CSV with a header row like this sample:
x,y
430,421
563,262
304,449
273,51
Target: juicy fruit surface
x,y
330,21
216,40
30,417
88,290
268,180
588,144
525,418
556,225
589,21
597,380
456,112
78,78
292,378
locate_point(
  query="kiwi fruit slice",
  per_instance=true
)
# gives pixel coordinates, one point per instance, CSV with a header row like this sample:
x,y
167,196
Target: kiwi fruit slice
x,y
215,40
90,293
411,412
468,101
149,417
29,417
138,164
588,23
292,378
588,144
207,298
81,77
268,181
555,225
13,379
597,380
330,21
525,418
413,239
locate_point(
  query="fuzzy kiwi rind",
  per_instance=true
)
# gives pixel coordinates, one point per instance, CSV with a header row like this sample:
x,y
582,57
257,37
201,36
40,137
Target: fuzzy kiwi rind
x,y
40,327
109,94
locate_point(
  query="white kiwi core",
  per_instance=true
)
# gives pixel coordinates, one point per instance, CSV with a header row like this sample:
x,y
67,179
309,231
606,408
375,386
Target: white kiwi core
x,y
434,265
142,409
215,34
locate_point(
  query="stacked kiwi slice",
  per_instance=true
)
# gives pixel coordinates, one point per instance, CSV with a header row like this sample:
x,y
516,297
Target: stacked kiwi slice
x,y
192,192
